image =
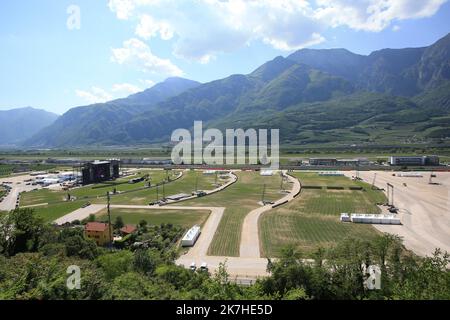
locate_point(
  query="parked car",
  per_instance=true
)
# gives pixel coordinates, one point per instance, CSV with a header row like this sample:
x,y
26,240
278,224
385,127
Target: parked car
x,y
204,267
87,204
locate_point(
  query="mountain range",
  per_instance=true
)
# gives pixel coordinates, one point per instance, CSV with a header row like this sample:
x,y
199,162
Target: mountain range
x,y
17,125
328,96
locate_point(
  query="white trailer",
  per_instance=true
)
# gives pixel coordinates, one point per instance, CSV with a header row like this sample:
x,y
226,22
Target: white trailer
x,y
191,237
345,217
374,218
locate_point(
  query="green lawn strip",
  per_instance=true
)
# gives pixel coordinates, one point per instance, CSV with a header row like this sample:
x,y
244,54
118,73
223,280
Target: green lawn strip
x,y
307,232
183,218
58,207
186,184
314,179
41,196
87,193
52,212
312,219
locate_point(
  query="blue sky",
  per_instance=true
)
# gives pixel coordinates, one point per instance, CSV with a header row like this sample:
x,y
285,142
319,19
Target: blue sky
x,y
123,46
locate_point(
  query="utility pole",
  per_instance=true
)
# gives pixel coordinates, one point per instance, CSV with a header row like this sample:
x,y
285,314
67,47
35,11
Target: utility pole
x,y
392,200
390,192
263,194
109,219
374,179
164,190
282,178
196,182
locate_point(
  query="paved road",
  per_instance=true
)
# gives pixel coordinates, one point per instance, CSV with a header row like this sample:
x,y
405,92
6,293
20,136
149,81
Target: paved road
x,y
250,244
18,185
80,214
424,210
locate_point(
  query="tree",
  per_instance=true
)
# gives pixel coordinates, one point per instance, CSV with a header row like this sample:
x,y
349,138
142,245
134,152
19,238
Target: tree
x,y
77,245
142,262
382,245
20,231
143,223
425,278
143,226
115,264
296,294
118,224
135,286
319,255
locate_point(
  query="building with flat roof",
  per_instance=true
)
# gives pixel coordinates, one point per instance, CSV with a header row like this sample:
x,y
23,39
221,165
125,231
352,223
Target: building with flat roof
x,y
338,162
414,161
99,171
322,161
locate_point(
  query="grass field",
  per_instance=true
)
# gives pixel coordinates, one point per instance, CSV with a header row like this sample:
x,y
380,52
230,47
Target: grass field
x,y
186,184
185,219
52,212
313,179
238,199
57,206
312,219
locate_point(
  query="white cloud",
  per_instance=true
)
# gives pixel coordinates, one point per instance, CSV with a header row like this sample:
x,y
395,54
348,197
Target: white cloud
x,y
137,53
94,95
126,88
124,9
147,83
224,26
396,28
316,38
373,15
99,95
202,29
148,28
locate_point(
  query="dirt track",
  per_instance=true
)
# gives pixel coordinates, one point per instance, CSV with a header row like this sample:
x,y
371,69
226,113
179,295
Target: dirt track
x,y
250,244
424,209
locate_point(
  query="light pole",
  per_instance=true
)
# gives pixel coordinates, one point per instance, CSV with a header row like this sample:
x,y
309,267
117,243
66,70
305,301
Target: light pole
x,y
263,194
109,219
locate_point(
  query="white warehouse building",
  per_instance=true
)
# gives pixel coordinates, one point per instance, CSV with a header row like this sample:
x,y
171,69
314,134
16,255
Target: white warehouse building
x,y
191,237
